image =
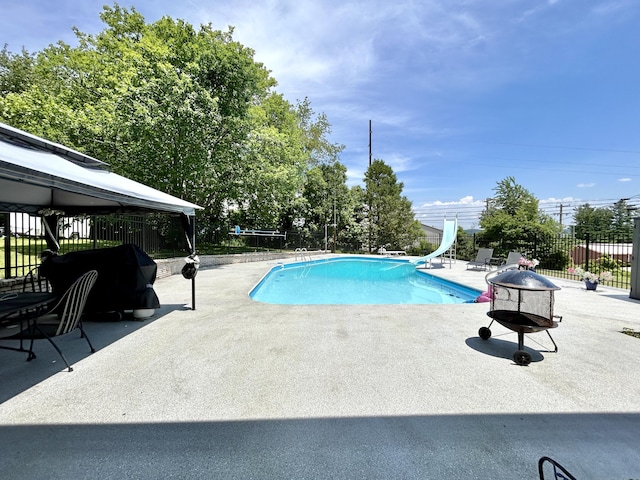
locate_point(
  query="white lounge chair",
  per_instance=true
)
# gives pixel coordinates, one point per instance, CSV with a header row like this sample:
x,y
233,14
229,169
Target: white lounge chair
x,y
384,251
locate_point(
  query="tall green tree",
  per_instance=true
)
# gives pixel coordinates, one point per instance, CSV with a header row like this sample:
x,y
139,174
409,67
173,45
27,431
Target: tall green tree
x,y
186,110
330,205
513,215
592,221
622,223
354,232
272,165
391,221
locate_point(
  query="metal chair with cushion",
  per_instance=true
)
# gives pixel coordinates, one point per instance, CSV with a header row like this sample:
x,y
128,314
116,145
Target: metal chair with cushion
x,y
64,317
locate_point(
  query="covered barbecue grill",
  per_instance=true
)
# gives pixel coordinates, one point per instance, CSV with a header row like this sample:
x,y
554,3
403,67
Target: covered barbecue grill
x,y
125,277
522,301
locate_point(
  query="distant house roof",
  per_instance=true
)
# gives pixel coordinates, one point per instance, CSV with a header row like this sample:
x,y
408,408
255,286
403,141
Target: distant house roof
x,y
429,230
617,251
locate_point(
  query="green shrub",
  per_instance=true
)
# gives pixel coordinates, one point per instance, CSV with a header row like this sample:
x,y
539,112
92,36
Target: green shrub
x,y
604,264
423,248
557,260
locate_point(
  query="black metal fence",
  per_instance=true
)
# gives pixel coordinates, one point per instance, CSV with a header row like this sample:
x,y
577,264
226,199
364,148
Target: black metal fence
x,y
224,240
556,254
160,236
23,237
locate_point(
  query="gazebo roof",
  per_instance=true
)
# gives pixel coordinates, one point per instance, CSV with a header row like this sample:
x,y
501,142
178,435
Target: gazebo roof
x,y
36,174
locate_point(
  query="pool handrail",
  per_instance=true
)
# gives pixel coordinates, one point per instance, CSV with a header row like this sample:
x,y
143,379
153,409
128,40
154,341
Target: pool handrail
x,y
303,254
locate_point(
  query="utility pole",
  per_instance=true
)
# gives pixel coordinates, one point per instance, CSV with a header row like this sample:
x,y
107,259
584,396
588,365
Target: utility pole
x,y
369,194
561,207
370,147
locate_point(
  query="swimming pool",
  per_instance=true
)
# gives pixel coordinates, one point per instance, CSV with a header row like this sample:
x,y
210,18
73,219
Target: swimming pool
x,y
357,281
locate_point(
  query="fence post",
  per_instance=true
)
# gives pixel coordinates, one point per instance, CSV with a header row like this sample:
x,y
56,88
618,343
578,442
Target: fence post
x,y
8,232
145,247
586,252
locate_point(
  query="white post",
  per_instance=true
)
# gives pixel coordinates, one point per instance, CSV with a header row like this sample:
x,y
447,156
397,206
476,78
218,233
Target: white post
x,y
326,240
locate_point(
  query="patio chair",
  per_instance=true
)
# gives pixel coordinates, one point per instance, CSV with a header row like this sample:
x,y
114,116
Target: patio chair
x,y
558,470
483,259
34,281
513,258
64,317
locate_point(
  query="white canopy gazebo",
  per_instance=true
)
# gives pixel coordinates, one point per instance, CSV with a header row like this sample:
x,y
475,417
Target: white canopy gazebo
x,y
40,177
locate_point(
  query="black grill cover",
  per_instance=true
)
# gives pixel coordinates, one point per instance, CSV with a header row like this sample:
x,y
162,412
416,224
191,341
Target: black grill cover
x,y
125,277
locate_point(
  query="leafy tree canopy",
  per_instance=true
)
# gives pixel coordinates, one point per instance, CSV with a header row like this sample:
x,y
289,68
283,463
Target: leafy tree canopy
x,y
597,221
513,215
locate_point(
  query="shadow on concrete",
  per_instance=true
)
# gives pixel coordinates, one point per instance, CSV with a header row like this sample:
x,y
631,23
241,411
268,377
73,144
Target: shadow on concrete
x,y
618,296
603,291
398,447
18,375
501,348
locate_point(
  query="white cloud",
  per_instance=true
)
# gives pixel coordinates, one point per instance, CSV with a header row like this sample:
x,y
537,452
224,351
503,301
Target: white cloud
x,y
611,7
338,46
466,209
625,180
464,201
586,185
554,201
398,162
303,42
354,177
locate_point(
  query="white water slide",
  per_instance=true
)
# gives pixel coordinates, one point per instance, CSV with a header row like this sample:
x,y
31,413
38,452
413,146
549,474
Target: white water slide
x,y
449,233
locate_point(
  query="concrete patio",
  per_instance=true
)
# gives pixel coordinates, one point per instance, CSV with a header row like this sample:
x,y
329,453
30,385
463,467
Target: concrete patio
x,y
239,389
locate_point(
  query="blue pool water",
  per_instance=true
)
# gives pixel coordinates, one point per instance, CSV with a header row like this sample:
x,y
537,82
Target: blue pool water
x,y
357,281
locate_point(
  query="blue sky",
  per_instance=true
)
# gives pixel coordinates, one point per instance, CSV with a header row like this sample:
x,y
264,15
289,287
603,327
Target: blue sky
x,y
461,93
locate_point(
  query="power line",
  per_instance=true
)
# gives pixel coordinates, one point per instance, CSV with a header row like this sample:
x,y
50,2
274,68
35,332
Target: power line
x,y
578,169
588,149
471,213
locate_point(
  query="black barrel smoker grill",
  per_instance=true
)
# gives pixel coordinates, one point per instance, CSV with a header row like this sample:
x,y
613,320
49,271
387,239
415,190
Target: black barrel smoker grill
x,y
522,301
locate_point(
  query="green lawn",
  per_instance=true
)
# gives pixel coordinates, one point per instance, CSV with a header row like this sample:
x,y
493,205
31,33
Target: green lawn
x,y
25,252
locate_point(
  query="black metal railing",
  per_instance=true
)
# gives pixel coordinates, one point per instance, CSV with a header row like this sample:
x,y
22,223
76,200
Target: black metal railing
x,y
23,241
556,254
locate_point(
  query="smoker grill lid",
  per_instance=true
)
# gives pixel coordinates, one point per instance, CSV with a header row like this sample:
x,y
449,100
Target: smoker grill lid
x,y
523,280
